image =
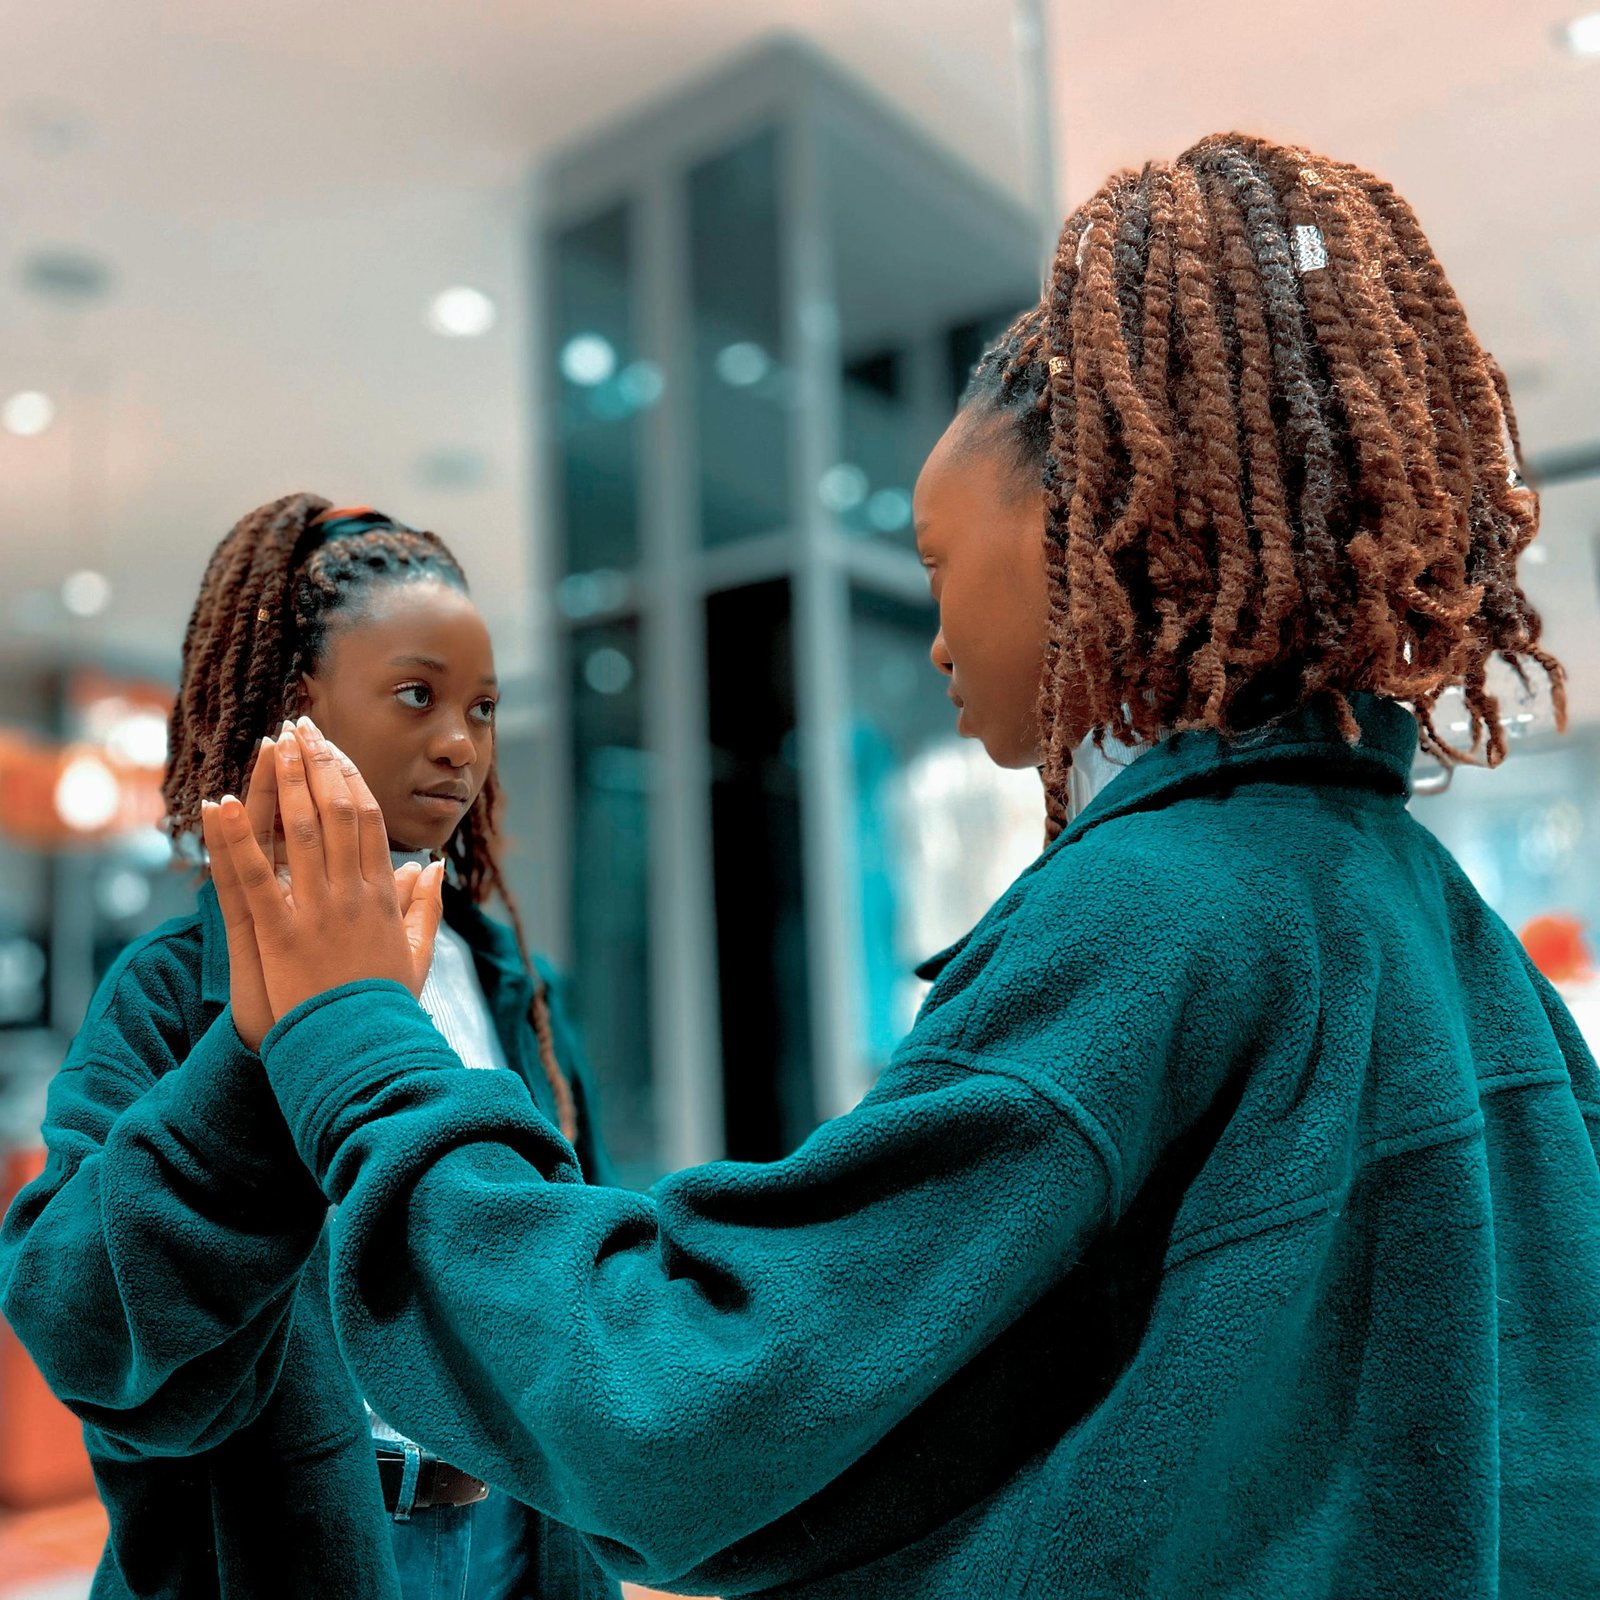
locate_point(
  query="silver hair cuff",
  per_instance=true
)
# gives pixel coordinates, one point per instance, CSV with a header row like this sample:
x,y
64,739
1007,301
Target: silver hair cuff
x,y
1310,248
1513,472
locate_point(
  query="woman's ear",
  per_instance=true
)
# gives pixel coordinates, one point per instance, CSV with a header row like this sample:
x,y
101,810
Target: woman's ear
x,y
306,697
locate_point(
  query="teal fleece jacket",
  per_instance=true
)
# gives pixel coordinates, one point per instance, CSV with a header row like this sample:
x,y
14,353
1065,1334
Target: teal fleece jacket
x,y
168,1272
1227,1225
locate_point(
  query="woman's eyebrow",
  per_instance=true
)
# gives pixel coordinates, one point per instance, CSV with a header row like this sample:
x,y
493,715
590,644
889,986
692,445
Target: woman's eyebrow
x,y
433,664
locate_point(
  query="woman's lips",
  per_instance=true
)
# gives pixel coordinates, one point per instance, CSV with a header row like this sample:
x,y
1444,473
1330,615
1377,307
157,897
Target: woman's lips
x,y
444,804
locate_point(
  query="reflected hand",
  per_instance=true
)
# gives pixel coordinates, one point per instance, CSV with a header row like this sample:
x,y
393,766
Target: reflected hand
x,y
345,913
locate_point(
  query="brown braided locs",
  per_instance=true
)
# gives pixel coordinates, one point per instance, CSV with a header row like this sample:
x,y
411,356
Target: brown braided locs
x,y
474,853
1262,483
270,593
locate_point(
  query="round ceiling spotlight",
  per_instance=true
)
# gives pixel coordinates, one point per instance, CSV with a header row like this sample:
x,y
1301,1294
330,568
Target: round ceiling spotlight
x,y
85,593
1582,35
27,413
461,313
588,360
87,795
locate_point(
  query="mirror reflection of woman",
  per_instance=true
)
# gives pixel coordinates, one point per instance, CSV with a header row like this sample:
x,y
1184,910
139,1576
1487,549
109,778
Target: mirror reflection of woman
x,y
169,1276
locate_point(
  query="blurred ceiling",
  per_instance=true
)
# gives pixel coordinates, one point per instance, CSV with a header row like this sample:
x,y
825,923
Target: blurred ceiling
x,y
275,192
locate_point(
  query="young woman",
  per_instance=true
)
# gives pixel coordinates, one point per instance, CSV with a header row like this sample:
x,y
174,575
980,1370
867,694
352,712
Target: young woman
x,y
1229,1222
169,1270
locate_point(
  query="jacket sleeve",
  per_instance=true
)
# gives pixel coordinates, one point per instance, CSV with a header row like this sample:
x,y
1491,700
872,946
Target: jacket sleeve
x,y
1575,1051
150,1269
669,1372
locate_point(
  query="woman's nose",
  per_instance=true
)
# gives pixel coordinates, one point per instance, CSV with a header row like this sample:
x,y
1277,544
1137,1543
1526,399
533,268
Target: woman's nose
x,y
939,655
455,745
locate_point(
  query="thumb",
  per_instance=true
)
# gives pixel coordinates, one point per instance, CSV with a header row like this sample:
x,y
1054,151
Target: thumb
x,y
422,921
405,885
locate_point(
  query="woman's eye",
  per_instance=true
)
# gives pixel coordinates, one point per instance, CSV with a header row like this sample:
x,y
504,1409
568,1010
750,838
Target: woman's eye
x,y
423,693
484,710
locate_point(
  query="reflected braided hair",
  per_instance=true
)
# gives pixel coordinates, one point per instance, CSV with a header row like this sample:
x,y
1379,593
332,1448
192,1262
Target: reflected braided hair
x,y
270,592
1266,479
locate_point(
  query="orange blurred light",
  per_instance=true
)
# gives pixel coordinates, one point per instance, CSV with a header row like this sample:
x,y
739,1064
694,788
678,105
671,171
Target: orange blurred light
x,y
1556,946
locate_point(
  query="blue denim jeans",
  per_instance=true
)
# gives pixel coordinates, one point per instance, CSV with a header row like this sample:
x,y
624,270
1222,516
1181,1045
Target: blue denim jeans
x,y
463,1552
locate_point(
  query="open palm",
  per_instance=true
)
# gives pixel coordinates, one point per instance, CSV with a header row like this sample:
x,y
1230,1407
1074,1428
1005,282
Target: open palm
x,y
252,1008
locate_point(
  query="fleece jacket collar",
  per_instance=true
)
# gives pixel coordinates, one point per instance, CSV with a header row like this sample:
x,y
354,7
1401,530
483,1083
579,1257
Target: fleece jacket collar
x,y
1304,746
1307,740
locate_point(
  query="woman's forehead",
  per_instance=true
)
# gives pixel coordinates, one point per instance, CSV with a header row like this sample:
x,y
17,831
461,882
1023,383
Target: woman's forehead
x,y
971,460
421,617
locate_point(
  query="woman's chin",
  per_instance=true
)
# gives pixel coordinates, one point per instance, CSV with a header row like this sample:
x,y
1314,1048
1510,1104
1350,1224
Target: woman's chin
x,y
414,840
1013,754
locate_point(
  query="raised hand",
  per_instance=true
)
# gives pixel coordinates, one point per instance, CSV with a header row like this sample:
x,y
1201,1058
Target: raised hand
x,y
341,918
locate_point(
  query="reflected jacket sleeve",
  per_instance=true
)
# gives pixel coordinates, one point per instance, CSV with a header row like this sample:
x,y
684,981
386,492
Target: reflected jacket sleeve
x,y
668,1372
150,1270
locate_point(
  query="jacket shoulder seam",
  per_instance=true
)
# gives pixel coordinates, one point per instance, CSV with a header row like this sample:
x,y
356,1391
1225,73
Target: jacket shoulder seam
x,y
1063,1102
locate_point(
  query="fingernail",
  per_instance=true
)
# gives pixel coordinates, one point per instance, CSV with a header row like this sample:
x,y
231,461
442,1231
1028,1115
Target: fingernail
x,y
287,730
308,731
208,805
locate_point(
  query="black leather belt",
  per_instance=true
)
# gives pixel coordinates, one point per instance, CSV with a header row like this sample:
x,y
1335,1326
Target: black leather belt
x,y
437,1484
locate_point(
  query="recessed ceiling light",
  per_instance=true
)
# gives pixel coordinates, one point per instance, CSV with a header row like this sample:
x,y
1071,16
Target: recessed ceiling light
x,y
1582,35
461,313
742,364
87,794
608,671
641,384
588,359
842,487
889,510
85,593
28,413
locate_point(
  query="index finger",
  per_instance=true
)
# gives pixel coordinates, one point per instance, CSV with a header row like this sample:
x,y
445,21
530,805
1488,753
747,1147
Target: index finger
x,y
239,868
224,875
261,797
302,827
